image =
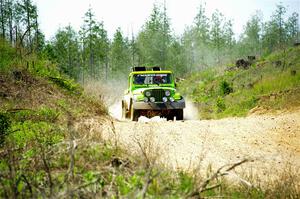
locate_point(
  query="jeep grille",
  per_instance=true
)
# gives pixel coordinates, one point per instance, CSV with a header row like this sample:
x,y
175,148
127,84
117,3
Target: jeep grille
x,y
158,94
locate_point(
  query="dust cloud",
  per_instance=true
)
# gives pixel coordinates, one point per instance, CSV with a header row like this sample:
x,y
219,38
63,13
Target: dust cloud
x,y
190,111
110,92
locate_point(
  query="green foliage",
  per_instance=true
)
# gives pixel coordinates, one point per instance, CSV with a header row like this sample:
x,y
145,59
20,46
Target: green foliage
x,y
6,56
67,84
65,51
43,114
95,47
19,26
4,126
119,55
267,84
123,185
42,132
220,104
155,38
186,182
251,42
225,88
89,54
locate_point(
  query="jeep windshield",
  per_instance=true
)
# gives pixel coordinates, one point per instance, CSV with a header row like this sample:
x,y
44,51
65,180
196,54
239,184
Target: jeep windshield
x,y
146,79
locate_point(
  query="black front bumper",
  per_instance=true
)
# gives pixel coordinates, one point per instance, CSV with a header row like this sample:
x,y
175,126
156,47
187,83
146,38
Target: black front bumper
x,y
159,105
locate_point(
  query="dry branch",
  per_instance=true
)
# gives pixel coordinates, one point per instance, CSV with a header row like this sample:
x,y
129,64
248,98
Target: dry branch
x,y
219,173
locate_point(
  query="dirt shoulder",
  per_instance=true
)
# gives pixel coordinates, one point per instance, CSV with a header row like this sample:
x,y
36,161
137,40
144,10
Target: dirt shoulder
x,y
272,142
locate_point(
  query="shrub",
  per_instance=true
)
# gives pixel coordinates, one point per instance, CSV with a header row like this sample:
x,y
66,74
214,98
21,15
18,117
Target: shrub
x,y
66,84
42,114
225,88
6,55
4,126
220,103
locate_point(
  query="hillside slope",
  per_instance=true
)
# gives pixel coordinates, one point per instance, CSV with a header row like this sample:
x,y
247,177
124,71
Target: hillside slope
x,y
271,83
43,151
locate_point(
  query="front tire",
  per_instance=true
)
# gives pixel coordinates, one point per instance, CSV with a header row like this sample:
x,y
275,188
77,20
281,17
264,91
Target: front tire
x,y
134,114
179,114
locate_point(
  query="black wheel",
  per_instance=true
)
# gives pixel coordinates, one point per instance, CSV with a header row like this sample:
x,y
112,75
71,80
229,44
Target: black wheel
x,y
134,114
169,115
179,114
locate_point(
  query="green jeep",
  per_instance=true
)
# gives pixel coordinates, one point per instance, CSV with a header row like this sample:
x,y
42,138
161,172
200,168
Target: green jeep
x,y
152,92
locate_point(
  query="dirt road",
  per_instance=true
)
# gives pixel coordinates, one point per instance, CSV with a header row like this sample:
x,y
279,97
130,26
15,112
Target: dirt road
x,y
271,141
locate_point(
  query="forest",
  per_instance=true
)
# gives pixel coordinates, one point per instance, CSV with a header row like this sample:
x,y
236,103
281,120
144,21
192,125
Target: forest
x,y
208,41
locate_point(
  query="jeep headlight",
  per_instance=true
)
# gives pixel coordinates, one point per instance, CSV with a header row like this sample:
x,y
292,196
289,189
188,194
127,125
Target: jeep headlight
x,y
168,93
137,98
165,99
152,99
148,93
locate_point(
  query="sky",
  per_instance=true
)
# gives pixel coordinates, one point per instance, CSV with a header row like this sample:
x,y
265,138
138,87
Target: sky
x,y
130,15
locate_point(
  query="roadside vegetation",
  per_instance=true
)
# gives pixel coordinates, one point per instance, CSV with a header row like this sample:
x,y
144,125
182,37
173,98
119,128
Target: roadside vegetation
x,y
268,84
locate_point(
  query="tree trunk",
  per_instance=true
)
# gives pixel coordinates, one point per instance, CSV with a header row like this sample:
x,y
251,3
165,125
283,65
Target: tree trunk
x,y
37,38
69,59
10,22
27,4
2,18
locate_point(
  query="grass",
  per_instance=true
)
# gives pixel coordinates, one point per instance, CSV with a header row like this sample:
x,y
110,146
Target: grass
x,y
6,56
272,83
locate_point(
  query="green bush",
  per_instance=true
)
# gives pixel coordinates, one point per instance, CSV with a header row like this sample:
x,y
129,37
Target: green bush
x,y
220,103
6,56
42,114
186,184
225,88
39,66
4,126
66,84
29,132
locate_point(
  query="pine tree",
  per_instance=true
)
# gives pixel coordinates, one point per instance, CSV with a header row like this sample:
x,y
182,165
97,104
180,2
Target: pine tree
x,y
3,19
10,15
95,46
201,27
66,51
188,43
201,38
274,30
103,48
217,34
119,57
133,50
154,40
251,37
292,28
